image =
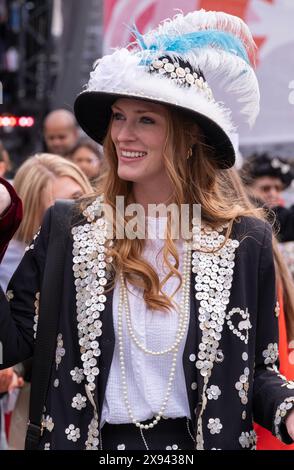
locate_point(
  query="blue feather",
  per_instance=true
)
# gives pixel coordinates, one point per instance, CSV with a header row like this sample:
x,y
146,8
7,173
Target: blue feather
x,y
197,40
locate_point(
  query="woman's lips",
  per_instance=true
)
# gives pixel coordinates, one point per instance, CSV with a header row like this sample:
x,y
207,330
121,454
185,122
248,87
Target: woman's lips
x,y
131,159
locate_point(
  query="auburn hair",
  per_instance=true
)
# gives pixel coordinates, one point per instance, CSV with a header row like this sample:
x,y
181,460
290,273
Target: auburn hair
x,y
196,180
284,281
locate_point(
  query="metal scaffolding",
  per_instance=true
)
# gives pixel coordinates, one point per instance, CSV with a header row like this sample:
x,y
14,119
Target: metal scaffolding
x,y
80,45
35,49
55,58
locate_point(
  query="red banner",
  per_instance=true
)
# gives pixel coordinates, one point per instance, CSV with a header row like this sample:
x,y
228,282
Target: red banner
x,y
271,22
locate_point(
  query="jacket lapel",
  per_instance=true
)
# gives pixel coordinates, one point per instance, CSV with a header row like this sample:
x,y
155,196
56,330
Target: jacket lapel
x,y
190,354
107,342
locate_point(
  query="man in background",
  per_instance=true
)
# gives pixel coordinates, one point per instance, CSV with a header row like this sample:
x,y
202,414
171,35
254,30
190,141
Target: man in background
x,y
266,178
60,132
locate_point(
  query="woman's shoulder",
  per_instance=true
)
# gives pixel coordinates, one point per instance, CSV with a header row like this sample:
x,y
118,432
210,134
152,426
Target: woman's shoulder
x,y
252,228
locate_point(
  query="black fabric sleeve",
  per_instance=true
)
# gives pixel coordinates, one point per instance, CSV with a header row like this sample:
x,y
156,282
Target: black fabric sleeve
x,y
285,223
273,395
19,307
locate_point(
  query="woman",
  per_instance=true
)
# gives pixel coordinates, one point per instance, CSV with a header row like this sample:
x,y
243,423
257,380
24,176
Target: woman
x,y
266,178
39,182
181,328
88,156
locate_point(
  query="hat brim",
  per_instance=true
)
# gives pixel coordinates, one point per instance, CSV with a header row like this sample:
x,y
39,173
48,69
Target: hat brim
x,y
93,113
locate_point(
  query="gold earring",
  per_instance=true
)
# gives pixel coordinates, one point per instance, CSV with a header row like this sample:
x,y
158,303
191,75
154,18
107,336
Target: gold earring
x,y
190,153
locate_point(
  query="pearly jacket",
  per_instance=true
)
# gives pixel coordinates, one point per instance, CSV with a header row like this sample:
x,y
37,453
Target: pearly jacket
x,y
230,358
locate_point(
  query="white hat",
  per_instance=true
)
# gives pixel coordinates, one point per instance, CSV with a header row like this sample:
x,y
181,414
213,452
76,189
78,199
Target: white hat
x,y
177,64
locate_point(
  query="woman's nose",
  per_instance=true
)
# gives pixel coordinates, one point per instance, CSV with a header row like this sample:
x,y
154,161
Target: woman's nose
x,y
126,132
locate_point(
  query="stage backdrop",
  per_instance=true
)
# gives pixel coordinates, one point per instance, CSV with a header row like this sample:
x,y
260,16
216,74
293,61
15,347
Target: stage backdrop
x,y
272,24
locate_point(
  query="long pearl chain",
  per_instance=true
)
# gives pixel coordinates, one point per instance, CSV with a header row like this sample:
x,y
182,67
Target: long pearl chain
x,y
182,326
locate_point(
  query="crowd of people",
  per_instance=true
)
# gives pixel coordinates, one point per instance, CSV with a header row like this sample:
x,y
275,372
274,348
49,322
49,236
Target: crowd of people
x,y
150,342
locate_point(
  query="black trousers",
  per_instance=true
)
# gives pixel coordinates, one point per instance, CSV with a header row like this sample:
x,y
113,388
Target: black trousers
x,y
168,434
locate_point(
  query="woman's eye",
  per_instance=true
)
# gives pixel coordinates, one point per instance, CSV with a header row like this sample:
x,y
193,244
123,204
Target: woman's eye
x,y
147,120
117,116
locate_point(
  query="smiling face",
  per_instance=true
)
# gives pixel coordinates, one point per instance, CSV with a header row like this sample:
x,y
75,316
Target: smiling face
x,y
138,131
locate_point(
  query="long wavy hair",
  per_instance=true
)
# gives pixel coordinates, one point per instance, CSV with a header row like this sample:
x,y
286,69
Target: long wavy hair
x,y
284,281
195,180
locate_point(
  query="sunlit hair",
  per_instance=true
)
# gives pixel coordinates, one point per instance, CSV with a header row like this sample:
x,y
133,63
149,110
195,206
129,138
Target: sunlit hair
x,y
195,180
32,178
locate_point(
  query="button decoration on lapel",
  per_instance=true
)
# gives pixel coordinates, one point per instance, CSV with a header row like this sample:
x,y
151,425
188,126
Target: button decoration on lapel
x,y
239,323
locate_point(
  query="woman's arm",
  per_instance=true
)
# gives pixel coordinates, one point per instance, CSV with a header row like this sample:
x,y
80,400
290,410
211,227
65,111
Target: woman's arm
x,y
273,395
19,307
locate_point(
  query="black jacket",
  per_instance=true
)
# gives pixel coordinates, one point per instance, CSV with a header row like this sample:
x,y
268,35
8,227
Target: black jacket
x,y
243,366
285,223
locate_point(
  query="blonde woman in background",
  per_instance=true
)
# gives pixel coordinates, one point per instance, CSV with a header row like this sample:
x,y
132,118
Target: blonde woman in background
x,y
39,182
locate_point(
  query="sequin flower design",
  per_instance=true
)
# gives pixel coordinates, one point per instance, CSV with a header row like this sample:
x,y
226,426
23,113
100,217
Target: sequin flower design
x,y
79,401
77,375
72,433
271,354
214,425
213,392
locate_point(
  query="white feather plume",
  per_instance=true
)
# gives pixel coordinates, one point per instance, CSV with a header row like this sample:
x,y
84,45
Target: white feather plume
x,y
224,70
121,74
124,72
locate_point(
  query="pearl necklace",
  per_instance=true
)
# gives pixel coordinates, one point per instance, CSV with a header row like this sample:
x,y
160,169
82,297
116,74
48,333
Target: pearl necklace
x,y
183,322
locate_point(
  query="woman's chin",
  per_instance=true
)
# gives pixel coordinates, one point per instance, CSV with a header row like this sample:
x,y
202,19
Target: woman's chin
x,y
127,175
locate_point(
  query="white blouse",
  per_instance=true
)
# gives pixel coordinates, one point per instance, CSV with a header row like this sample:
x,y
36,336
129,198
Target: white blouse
x,y
147,376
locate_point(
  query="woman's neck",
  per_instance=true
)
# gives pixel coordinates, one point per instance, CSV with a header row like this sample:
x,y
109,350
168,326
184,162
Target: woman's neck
x,y
145,195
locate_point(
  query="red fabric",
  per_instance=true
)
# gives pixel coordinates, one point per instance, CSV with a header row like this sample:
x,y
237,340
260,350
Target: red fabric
x,y
265,440
10,220
7,423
